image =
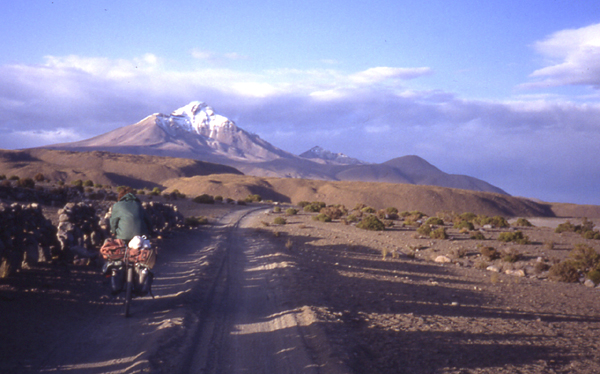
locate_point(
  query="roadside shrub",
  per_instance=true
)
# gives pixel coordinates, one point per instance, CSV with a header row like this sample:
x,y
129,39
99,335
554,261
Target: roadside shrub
x,y
253,198
39,177
477,235
464,225
359,206
489,253
291,211
277,209
352,218
496,221
204,199
467,216
439,233
516,237
368,209
88,183
511,255
314,207
434,221
332,212
77,183
371,223
195,221
155,191
175,194
594,276
584,257
565,227
219,198
26,183
424,230
540,267
14,178
2,177
564,271
322,217
279,221
302,204
522,222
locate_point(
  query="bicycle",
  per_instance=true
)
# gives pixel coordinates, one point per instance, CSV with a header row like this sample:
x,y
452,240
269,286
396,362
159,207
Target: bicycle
x,y
129,267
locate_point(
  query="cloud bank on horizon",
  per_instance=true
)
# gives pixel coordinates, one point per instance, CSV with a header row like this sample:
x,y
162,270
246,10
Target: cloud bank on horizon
x,y
540,141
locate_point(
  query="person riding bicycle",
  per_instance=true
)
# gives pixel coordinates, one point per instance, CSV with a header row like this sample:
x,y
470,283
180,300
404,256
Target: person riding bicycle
x,y
128,217
128,220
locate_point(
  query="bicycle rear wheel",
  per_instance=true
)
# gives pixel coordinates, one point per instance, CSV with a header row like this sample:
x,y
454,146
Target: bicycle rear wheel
x,y
128,289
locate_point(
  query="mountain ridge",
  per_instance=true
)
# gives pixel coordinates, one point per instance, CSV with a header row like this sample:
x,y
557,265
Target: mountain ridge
x,y
195,131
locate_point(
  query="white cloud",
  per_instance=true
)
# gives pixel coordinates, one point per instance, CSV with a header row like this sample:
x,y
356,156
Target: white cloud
x,y
380,74
360,114
574,59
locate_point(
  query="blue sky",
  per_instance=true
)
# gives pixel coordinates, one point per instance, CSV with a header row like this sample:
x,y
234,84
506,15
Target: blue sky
x,y
505,91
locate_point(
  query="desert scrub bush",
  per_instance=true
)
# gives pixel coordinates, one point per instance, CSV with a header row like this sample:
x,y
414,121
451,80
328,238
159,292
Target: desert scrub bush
x,y
204,199
2,177
564,271
359,206
511,255
584,257
279,221
462,224
14,178
253,198
368,209
155,191
516,237
77,183
434,221
322,217
371,223
424,230
477,235
303,203
489,253
594,276
565,227
39,177
548,245
522,222
277,209
332,212
26,183
88,183
195,221
540,267
352,218
466,216
314,207
496,221
219,198
410,222
291,211
439,233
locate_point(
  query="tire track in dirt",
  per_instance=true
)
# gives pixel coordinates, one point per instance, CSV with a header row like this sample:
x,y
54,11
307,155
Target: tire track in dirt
x,y
247,327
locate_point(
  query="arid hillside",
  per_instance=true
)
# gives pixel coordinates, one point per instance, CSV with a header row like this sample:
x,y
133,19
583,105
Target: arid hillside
x,y
405,197
103,167
193,178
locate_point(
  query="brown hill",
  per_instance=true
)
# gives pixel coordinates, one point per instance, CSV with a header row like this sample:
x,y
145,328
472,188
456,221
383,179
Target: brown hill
x,y
104,167
405,197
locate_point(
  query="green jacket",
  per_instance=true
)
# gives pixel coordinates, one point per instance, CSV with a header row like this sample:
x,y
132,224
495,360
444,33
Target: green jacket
x,y
129,218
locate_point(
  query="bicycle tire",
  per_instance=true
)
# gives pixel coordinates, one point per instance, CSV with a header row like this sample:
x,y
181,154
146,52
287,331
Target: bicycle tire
x,y
128,289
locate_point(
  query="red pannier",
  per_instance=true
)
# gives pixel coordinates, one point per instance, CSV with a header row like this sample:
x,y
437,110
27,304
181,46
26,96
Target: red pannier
x,y
113,249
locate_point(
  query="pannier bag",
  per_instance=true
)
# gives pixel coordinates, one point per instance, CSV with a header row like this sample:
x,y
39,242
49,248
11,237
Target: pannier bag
x,y
113,249
141,252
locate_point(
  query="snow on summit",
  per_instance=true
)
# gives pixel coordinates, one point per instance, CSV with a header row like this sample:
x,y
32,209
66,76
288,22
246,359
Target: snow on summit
x,y
196,117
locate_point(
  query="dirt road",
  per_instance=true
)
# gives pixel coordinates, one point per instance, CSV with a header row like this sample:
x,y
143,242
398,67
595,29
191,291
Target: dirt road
x,y
219,308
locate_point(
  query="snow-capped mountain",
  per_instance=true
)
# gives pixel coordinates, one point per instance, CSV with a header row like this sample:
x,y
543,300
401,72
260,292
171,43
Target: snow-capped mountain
x,y
322,155
196,131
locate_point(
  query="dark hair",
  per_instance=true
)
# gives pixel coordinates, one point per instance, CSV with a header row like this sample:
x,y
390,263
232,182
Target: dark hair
x,y
124,192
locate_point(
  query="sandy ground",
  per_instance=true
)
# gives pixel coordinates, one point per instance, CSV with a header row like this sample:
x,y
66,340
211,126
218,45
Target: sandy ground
x,y
245,295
